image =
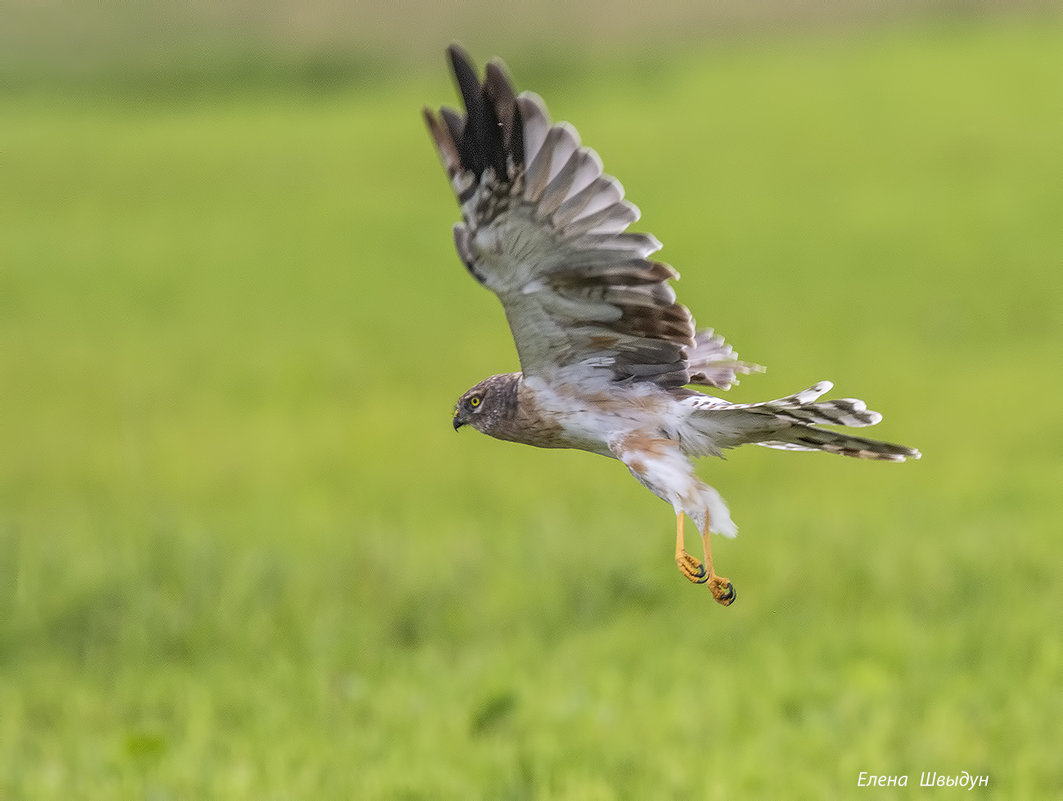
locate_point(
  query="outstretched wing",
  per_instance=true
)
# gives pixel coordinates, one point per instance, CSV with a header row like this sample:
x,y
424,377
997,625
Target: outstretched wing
x,y
546,230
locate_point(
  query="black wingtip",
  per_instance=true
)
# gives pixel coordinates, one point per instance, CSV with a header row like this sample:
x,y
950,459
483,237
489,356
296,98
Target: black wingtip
x,y
455,51
491,134
464,73
499,90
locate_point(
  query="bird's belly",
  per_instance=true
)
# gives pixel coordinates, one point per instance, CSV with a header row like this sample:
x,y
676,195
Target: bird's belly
x,y
590,420
591,430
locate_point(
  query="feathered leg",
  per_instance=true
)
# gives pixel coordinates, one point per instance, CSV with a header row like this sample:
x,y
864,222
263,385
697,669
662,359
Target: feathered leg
x,y
700,573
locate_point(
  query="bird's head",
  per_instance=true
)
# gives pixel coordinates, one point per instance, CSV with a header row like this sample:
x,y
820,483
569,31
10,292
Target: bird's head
x,y
488,404
469,406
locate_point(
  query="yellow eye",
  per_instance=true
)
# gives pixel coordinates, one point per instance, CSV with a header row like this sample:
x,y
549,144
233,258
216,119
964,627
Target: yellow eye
x,y
474,401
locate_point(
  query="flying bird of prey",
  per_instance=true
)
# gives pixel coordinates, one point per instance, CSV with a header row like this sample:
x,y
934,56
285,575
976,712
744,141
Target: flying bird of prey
x,y
606,353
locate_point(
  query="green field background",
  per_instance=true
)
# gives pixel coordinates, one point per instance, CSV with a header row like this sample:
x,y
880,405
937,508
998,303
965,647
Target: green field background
x,y
244,556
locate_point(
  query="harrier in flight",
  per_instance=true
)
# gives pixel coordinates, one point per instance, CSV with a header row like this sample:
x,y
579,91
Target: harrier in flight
x,y
607,355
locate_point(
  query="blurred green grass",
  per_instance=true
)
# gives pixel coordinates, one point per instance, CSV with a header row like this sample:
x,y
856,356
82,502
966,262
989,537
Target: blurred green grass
x,y
245,556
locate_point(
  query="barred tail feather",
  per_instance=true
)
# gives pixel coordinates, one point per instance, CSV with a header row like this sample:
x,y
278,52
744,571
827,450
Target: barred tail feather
x,y
807,438
804,410
790,424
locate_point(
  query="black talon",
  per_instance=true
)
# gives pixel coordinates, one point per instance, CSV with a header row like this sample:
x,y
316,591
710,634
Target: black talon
x,y
729,596
702,575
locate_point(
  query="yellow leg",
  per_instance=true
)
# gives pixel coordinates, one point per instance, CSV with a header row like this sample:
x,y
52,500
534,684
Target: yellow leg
x,y
721,588
688,565
700,573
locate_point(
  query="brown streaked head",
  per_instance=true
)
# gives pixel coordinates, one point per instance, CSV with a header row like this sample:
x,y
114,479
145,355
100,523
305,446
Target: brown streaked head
x,y
488,405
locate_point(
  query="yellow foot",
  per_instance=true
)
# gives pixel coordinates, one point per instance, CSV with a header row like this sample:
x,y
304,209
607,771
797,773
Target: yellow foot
x,y
691,568
722,590
701,572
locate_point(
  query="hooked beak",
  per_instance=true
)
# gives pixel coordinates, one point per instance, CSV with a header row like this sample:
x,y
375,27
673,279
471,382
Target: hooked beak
x,y
459,421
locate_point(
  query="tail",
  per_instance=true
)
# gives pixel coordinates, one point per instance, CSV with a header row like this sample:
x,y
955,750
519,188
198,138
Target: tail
x,y
808,438
790,424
